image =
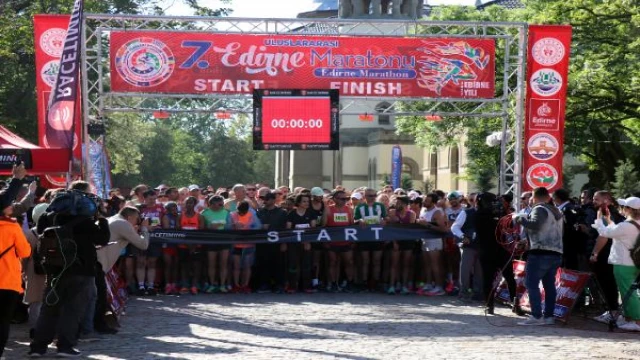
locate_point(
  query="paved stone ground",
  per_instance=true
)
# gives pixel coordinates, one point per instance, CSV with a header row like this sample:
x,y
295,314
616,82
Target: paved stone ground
x,y
338,326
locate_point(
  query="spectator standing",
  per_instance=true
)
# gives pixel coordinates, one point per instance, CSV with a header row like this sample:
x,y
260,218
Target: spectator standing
x,y
67,298
544,228
13,247
603,270
624,236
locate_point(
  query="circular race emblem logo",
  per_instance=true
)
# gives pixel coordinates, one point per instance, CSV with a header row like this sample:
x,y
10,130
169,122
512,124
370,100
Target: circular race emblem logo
x,y
546,82
52,41
548,51
542,175
49,72
145,62
543,146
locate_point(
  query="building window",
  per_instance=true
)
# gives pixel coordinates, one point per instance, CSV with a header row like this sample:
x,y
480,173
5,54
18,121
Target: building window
x,y
383,115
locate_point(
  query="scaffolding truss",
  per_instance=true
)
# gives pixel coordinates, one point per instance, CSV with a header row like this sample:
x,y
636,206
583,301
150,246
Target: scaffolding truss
x,y
508,105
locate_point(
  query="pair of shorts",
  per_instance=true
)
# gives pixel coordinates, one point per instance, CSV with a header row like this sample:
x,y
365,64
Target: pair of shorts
x,y
432,245
371,246
340,248
154,250
247,256
406,245
168,249
187,255
450,245
317,246
217,247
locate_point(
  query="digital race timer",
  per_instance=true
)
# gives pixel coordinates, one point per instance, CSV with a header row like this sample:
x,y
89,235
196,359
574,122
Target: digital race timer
x,y
295,119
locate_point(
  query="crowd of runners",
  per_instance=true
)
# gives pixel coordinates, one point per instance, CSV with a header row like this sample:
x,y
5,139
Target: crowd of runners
x,y
429,267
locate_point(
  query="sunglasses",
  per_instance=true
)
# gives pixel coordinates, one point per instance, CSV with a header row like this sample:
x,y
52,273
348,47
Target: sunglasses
x,y
262,197
371,196
342,198
251,189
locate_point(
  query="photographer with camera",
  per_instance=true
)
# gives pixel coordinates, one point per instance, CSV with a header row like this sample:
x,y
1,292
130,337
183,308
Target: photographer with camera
x,y
493,257
73,221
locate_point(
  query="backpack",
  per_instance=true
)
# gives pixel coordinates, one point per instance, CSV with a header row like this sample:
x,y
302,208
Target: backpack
x,y
635,249
56,249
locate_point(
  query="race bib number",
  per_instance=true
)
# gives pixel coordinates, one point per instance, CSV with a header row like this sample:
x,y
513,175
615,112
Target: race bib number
x,y
340,217
302,226
154,221
218,224
371,220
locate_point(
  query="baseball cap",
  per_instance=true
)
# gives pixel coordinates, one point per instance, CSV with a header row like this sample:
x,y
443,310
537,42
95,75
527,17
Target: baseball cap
x,y
632,202
356,195
413,194
454,195
161,186
194,187
316,191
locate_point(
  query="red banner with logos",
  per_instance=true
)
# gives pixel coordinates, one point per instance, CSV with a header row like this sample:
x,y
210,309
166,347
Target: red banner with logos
x,y
547,79
50,33
569,286
201,63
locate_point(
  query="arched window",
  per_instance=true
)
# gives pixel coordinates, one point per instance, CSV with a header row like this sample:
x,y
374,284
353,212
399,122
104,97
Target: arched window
x,y
382,109
454,166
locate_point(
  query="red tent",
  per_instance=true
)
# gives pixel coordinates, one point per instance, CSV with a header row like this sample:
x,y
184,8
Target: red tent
x,y
37,160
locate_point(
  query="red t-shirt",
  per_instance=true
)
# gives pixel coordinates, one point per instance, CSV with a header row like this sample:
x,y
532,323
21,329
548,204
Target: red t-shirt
x,y
339,217
154,214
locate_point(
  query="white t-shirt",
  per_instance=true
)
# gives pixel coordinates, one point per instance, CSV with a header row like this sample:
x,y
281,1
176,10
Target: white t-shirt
x,y
428,216
624,237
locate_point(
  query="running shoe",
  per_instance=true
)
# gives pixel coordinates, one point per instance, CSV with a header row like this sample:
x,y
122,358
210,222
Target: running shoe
x,y
184,290
68,353
310,290
168,289
449,287
405,291
604,318
194,290
141,291
391,290
151,291
246,290
630,326
223,289
211,289
437,291
531,321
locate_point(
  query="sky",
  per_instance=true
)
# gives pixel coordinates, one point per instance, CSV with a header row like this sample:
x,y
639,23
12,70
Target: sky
x,y
266,9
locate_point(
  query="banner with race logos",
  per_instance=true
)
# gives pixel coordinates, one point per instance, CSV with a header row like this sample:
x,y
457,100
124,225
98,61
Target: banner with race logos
x,y
547,79
203,63
64,130
569,286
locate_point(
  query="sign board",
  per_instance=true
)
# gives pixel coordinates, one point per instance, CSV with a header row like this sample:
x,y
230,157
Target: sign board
x,y
203,63
296,120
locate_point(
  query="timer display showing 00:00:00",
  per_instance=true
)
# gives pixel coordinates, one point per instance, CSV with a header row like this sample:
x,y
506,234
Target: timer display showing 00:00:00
x,y
296,124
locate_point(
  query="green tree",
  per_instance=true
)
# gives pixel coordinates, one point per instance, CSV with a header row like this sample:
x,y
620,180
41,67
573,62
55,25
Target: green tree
x,y
627,180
